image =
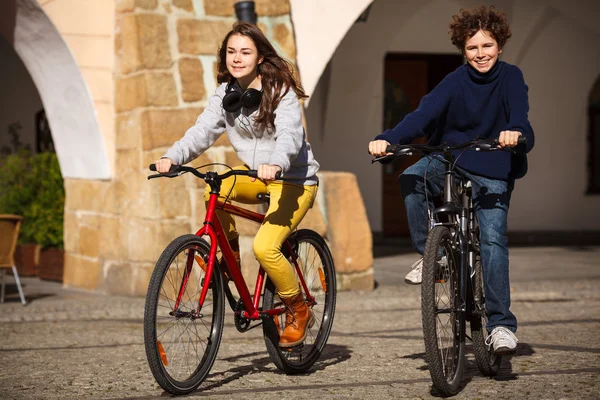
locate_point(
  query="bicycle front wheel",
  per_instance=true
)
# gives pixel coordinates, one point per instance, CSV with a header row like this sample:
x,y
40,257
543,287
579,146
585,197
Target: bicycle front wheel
x,y
182,340
442,323
312,255
487,362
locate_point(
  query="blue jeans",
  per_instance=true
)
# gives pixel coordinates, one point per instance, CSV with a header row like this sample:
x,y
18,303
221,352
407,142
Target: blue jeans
x,y
491,199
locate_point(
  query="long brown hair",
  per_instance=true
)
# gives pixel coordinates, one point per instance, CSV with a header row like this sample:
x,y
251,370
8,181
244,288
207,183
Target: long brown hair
x,y
276,73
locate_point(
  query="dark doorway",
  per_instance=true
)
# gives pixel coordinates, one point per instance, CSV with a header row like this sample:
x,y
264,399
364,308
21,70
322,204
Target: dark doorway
x,y
407,78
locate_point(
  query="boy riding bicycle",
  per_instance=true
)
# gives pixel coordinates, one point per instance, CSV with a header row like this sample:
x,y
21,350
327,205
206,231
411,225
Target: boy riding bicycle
x,y
485,98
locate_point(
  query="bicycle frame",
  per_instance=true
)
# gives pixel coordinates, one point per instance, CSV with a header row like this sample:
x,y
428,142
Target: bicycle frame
x,y
464,226
214,230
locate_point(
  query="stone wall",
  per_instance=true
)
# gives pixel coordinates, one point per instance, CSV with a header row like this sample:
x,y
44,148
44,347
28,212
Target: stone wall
x,y
165,71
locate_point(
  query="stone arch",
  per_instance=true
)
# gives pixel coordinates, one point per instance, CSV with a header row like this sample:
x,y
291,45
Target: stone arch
x,y
71,115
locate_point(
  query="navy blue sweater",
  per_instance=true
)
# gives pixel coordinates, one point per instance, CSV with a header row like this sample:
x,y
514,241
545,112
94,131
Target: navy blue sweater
x,y
467,105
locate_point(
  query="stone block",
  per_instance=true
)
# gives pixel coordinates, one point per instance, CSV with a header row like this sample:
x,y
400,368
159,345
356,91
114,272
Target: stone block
x,y
162,128
142,274
264,8
144,42
118,279
130,5
222,8
349,233
170,230
186,5
127,161
192,79
173,197
364,281
71,232
201,36
285,38
111,203
84,195
142,239
81,272
89,239
147,89
269,8
128,131
140,197
110,246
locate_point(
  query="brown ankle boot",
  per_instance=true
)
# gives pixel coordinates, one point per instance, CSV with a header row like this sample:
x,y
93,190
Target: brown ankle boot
x,y
297,319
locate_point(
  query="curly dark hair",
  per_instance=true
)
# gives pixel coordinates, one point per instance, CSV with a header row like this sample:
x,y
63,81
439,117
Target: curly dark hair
x,y
467,23
277,73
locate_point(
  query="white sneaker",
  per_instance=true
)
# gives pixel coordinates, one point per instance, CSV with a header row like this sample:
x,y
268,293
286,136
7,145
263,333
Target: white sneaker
x,y
414,277
502,341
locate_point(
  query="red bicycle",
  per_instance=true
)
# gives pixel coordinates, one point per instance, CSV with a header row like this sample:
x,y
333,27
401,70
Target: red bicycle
x,y
185,303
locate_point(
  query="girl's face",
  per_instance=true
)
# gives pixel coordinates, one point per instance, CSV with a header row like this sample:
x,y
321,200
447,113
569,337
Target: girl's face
x,y
481,51
242,58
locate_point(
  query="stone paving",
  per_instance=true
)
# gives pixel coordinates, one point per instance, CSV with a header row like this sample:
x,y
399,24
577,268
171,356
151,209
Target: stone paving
x,y
68,344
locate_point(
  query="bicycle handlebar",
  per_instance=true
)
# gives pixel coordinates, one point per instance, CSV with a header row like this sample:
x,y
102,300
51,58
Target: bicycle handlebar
x,y
177,170
397,150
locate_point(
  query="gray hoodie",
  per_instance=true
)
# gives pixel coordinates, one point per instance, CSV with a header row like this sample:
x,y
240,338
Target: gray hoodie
x,y
287,147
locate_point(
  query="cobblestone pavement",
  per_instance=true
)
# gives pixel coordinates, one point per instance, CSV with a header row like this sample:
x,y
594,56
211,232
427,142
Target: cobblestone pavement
x,y
68,344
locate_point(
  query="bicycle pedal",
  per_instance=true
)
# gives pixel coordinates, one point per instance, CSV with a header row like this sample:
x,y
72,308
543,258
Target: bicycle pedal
x,y
294,349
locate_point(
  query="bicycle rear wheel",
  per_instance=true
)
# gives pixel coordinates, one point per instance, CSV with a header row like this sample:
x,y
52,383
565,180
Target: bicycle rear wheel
x,y
442,324
181,341
316,265
487,362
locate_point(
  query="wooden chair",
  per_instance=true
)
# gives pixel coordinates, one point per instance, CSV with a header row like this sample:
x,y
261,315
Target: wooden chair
x,y
9,232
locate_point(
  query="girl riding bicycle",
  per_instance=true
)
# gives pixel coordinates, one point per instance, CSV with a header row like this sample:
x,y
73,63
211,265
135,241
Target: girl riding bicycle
x,y
485,98
257,104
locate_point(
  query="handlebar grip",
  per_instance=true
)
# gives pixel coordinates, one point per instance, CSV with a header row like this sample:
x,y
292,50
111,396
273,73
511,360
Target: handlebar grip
x,y
522,140
254,174
174,168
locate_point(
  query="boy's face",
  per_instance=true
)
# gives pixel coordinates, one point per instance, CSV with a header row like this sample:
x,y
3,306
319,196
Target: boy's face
x,y
481,51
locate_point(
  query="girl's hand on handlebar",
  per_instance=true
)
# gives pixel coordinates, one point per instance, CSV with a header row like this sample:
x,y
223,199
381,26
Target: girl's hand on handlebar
x,y
163,165
267,172
508,139
377,148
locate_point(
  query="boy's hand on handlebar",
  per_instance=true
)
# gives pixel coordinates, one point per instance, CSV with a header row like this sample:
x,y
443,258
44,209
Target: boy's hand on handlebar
x,y
377,148
508,139
163,165
267,172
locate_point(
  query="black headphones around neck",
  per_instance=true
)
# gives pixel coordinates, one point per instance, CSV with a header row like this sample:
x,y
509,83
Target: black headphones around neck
x,y
235,98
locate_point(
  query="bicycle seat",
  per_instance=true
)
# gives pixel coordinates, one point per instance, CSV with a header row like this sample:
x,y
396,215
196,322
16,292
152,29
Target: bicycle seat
x,y
264,197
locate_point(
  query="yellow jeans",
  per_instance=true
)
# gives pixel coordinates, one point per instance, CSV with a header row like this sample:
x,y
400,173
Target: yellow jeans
x,y
288,204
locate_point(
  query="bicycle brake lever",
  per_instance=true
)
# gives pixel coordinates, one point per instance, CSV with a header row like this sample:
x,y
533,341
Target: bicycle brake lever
x,y
382,158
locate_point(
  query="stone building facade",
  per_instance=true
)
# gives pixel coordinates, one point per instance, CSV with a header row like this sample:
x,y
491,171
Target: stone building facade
x,y
157,79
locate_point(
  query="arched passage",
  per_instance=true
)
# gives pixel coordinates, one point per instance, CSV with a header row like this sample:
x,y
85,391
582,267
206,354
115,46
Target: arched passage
x,y
77,137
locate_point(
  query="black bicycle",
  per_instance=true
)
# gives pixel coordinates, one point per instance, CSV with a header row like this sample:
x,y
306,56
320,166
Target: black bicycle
x,y
452,290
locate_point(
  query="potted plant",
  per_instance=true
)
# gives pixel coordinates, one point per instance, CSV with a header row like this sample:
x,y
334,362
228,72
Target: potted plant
x,y
33,188
47,212
17,194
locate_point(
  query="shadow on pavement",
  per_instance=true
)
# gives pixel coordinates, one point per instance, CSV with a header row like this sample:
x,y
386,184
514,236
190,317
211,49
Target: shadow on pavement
x,y
332,354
